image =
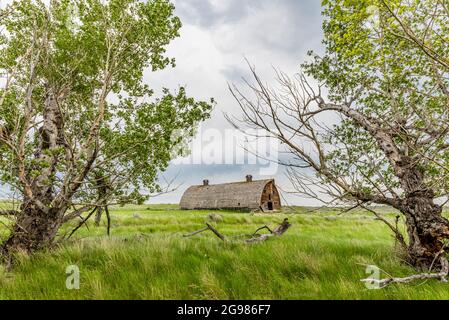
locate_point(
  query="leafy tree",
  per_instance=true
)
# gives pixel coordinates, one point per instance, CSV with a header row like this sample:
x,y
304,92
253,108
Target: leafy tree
x,y
385,74
75,113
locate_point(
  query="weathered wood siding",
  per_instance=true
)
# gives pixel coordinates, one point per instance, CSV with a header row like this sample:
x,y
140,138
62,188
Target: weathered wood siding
x,y
238,195
271,194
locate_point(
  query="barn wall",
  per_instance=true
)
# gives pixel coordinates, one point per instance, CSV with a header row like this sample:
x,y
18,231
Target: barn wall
x,y
239,195
276,198
271,194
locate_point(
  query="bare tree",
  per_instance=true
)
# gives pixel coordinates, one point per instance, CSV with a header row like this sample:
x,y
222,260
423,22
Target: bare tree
x,y
375,127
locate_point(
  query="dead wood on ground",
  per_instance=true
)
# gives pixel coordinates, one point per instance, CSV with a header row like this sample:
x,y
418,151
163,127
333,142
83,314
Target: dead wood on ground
x,y
442,276
255,237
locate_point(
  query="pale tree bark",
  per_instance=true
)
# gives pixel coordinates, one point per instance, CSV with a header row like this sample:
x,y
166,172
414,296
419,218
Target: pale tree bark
x,y
44,206
37,225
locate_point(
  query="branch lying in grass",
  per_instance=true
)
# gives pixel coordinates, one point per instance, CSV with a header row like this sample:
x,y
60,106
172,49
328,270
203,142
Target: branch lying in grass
x,y
442,276
278,231
209,227
261,228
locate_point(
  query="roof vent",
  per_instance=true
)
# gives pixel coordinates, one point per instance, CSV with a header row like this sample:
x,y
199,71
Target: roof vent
x,y
205,182
249,178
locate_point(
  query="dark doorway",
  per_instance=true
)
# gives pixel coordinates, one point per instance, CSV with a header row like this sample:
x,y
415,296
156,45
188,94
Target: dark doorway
x,y
270,205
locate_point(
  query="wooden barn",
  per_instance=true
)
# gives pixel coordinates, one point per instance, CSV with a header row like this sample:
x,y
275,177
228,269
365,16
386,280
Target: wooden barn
x,y
245,195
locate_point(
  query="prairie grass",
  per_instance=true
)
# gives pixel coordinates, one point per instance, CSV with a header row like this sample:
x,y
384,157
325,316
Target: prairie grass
x,y
323,256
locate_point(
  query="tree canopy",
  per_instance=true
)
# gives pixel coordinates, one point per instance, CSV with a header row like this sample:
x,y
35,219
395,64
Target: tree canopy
x,y
75,111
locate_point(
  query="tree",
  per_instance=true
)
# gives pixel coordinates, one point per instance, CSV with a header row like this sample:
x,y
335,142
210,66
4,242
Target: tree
x,y
75,113
385,74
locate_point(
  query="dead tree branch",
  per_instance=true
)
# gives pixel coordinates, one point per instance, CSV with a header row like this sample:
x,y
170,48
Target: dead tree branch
x,y
278,231
82,222
209,227
261,228
442,276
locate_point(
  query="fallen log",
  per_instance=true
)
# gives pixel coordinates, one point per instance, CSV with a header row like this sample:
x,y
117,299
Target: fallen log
x,y
278,231
442,276
255,237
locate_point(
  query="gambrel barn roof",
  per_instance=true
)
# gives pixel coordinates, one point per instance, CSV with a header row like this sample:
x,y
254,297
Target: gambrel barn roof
x,y
237,195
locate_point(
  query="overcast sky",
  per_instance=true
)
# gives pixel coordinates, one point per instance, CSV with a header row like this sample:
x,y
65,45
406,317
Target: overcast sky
x,y
216,37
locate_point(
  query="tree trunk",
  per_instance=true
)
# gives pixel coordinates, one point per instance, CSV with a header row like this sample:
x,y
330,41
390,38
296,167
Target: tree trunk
x,y
427,230
36,226
98,216
34,230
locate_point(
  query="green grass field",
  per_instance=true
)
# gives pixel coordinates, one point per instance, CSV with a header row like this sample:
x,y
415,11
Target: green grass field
x,y
323,256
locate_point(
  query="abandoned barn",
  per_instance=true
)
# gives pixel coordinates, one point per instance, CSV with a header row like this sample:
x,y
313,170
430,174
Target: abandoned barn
x,y
245,195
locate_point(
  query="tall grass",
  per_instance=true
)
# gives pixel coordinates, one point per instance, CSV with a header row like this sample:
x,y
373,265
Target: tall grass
x,y
323,256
